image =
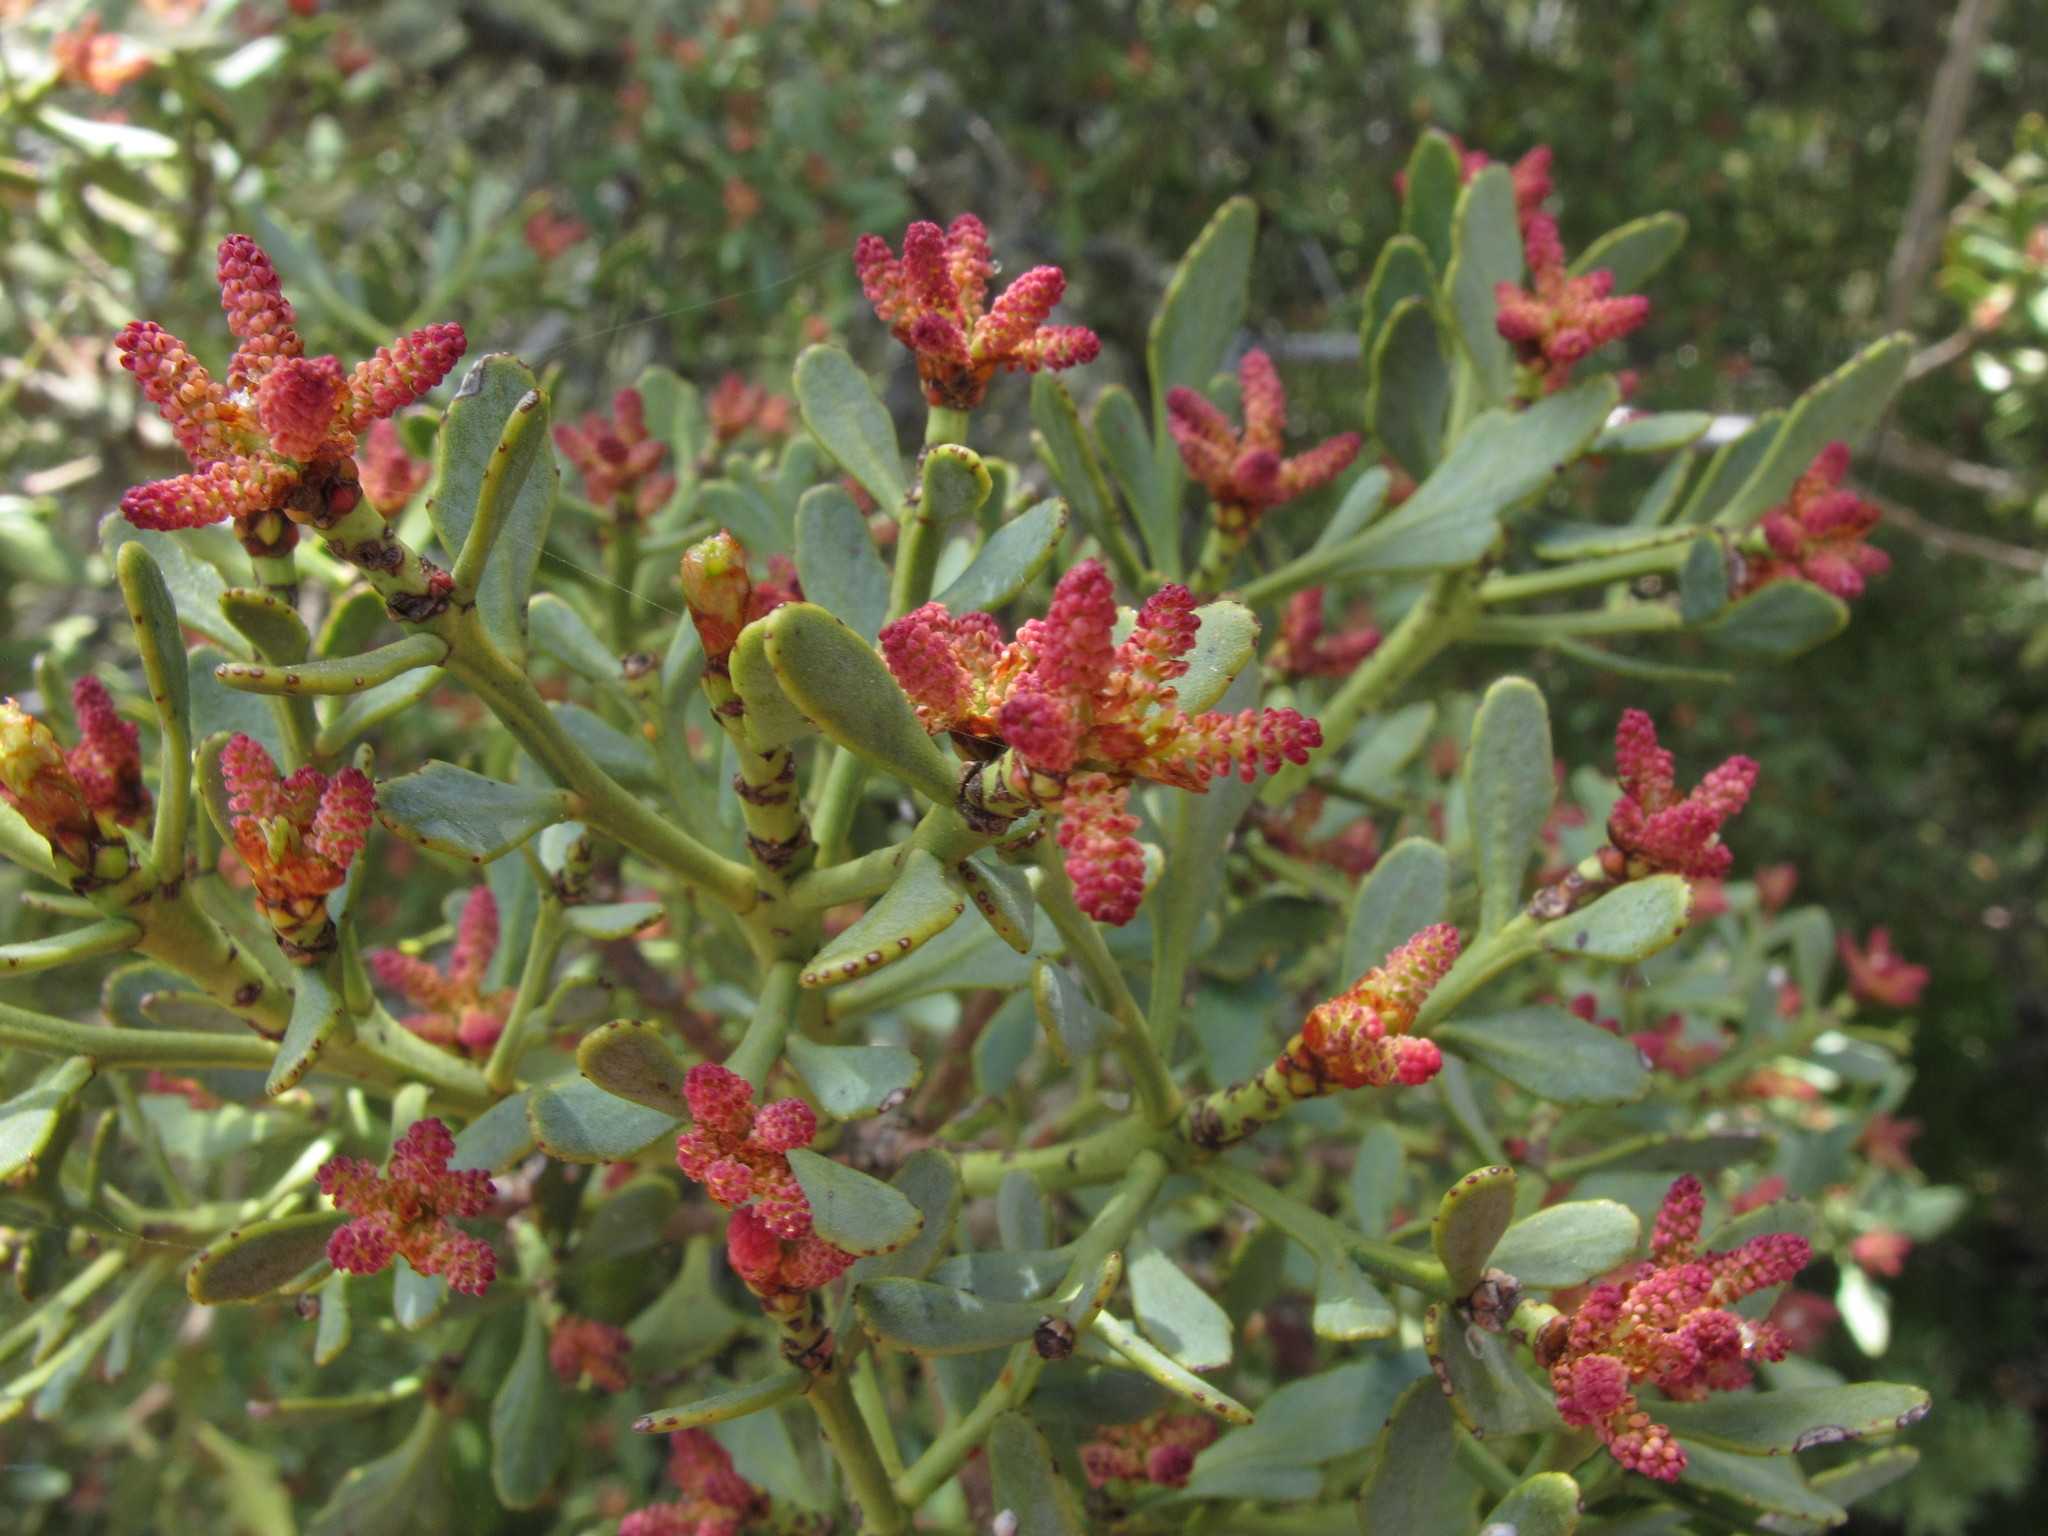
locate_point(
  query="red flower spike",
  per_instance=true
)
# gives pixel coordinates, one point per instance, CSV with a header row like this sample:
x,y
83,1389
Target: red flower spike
x,y
582,1347
1816,534
453,1008
619,462
390,477
1307,649
281,423
736,407
107,762
1666,1323
102,62
37,781
1887,1141
934,299
740,1155
408,1211
1652,827
1877,974
1065,697
1882,1251
1360,1037
1559,320
1104,861
1244,473
1529,175
297,835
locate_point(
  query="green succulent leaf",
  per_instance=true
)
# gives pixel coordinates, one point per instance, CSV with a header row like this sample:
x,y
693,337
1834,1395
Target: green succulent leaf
x,y
1429,204
1410,392
1063,446
1653,432
257,1261
849,422
404,1492
837,562
1779,621
575,1121
1797,1419
496,1139
1546,1505
31,1120
1002,895
1413,1481
1568,1244
1486,251
930,1180
852,1082
338,675
1630,923
1402,271
1007,561
1203,308
1552,1054
723,1407
1347,1306
630,1060
1133,460
1753,1489
929,1319
269,624
1225,641
1634,252
922,903
1492,1393
835,679
1474,1213
1510,784
862,1215
1026,1482
558,629
318,1018
451,810
1408,890
529,1417
1175,1313
496,387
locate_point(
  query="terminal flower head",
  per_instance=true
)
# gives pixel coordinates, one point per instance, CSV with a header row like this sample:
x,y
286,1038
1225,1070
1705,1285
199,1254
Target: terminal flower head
x,y
1559,319
1360,1037
1529,175
1245,472
1817,533
408,1211
77,800
103,62
1668,1325
453,1008
1307,647
1160,1449
390,477
276,438
619,462
1084,715
740,1154
1653,828
1878,974
736,407
298,836
723,599
934,299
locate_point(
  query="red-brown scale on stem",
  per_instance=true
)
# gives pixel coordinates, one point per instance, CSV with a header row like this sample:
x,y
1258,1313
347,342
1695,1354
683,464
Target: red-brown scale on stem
x,y
279,434
934,299
1667,1325
408,1211
1085,716
1246,472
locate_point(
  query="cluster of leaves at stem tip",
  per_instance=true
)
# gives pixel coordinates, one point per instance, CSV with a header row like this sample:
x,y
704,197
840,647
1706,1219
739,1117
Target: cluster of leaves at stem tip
x,y
995,1043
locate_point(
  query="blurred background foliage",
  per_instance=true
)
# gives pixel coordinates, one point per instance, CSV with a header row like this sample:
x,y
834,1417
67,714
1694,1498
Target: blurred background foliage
x,y
603,185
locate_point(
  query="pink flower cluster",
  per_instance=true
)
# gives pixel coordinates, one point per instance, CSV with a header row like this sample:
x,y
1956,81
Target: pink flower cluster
x,y
1667,1325
107,762
297,835
580,1347
716,1500
406,1212
1559,319
390,477
934,299
278,434
619,462
1653,827
1084,715
1245,473
1360,1037
1816,534
1308,648
454,1011
740,1154
75,799
1160,1449
1878,973
736,407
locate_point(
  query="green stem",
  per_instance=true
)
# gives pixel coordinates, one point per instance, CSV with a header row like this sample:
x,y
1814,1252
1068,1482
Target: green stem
x,y
1065,1165
1509,945
108,936
1436,621
1486,1468
53,1318
1220,550
1108,1232
178,934
621,562
493,504
1540,629
854,880
111,1046
837,801
945,426
545,946
854,1449
774,1011
1663,556
874,1411
1133,1040
1313,1230
139,1127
